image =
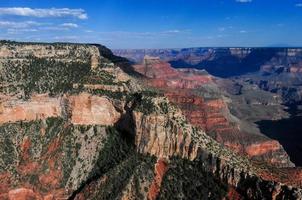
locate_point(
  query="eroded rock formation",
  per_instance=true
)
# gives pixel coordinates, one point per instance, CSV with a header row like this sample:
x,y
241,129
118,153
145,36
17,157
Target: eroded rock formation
x,y
79,137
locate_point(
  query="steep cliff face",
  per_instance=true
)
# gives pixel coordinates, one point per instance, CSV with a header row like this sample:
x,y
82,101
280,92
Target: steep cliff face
x,y
53,125
168,135
83,129
206,106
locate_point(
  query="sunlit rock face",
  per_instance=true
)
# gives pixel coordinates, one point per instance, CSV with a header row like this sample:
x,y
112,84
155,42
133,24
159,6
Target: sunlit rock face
x,y
210,110
85,109
74,125
92,110
38,107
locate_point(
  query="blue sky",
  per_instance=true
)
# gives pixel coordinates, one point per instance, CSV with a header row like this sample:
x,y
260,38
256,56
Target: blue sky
x,y
154,23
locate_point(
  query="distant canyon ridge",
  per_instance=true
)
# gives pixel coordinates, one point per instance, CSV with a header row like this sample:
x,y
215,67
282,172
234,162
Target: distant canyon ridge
x,y
222,62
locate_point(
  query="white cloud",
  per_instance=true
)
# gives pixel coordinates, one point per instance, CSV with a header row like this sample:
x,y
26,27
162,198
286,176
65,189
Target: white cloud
x,y
172,31
18,25
299,5
243,31
51,12
69,25
20,31
244,1
69,38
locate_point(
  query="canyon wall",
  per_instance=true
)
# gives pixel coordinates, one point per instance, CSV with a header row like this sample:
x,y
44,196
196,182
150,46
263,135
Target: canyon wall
x,y
81,129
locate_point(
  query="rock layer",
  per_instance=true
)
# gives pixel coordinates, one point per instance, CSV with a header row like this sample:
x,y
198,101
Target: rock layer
x,y
210,111
85,139
85,109
92,110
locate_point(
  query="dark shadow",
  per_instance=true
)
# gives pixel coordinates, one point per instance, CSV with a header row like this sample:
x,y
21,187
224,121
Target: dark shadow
x,y
288,132
121,62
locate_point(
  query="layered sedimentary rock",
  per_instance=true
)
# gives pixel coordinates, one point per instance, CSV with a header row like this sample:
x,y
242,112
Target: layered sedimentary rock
x,y
79,137
206,107
39,107
92,110
161,74
21,51
85,109
161,133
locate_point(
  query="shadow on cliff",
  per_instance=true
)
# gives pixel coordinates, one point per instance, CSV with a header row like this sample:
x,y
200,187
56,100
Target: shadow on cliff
x,y
252,187
121,62
287,133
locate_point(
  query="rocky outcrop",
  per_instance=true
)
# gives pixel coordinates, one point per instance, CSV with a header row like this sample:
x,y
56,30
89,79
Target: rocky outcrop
x,y
153,67
161,74
22,193
21,51
233,169
85,109
263,148
92,110
39,107
79,137
162,135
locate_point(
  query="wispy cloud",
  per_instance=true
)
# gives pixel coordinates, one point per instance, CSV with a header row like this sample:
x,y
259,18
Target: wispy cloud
x,y
18,25
42,13
244,1
298,5
66,38
15,31
172,31
243,31
130,34
69,25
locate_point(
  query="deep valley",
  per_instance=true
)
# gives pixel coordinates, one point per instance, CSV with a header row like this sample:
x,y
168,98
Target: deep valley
x,y
78,122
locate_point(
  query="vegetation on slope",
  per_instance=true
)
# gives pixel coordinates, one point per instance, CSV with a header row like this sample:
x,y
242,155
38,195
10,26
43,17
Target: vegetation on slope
x,y
187,180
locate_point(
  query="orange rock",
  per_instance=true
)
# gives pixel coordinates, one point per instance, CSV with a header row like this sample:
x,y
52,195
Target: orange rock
x,y
28,168
51,179
25,148
263,148
39,107
5,182
153,67
89,110
161,168
49,197
233,194
23,194
163,75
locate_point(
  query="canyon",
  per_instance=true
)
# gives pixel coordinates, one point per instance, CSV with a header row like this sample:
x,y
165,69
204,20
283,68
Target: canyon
x,y
263,85
78,122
